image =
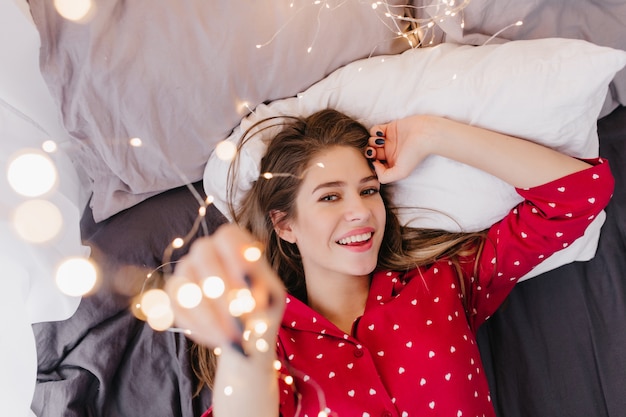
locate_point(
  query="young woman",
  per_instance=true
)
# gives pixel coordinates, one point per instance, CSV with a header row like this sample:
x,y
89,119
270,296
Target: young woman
x,y
369,318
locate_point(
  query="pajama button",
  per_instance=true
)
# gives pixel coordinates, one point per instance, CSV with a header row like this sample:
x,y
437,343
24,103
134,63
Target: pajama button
x,y
358,352
386,413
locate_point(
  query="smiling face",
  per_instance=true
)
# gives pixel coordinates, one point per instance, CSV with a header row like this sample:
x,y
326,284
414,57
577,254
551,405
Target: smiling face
x,y
340,216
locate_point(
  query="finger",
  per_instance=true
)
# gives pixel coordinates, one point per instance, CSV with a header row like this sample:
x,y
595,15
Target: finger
x,y
379,130
210,332
378,154
203,266
376,141
243,257
384,173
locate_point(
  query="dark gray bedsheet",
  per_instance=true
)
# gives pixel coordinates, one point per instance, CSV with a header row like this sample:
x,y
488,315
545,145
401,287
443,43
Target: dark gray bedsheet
x,y
556,348
103,361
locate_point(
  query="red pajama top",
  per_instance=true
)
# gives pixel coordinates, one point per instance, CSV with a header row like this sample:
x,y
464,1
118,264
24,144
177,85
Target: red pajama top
x,y
413,352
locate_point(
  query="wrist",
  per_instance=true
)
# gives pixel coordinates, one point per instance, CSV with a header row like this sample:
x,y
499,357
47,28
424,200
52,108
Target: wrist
x,y
433,134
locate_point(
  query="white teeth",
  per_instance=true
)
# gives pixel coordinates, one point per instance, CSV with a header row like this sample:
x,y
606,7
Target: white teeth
x,y
356,238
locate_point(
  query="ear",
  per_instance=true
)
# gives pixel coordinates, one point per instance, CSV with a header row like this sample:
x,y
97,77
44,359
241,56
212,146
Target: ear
x,y
282,226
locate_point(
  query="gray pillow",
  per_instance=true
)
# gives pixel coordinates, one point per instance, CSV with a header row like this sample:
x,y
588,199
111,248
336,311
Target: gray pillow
x,y
180,75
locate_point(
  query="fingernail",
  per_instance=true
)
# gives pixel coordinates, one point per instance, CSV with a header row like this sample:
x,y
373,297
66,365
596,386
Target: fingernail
x,y
241,326
379,133
369,152
238,347
247,280
380,141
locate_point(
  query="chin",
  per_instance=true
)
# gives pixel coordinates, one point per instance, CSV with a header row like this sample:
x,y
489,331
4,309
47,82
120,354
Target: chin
x,y
365,268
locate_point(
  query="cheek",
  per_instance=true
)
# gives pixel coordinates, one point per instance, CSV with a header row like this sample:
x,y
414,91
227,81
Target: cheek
x,y
380,213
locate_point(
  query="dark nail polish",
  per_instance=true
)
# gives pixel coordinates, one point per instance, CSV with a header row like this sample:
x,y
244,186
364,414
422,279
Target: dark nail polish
x,y
247,280
379,133
241,326
369,152
380,141
238,347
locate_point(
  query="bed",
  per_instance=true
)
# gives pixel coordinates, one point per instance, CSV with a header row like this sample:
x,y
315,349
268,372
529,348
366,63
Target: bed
x,y
138,95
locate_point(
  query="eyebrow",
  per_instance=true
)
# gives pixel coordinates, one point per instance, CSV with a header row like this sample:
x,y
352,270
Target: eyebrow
x,y
333,184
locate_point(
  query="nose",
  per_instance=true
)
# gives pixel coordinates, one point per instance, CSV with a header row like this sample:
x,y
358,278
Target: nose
x,y
357,208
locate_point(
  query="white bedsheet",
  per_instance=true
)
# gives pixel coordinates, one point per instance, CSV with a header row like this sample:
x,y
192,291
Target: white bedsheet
x,y
28,293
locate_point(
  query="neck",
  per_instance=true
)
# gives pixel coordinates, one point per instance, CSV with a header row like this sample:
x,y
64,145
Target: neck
x,y
341,299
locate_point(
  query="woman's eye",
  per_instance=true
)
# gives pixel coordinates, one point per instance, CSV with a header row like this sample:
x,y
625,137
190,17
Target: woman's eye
x,y
329,197
370,191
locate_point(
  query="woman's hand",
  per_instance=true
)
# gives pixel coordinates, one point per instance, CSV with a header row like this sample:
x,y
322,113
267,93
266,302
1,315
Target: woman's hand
x,y
396,148
219,261
399,146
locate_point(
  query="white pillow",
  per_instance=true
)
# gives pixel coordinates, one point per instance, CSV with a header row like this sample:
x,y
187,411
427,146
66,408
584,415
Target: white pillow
x,y
546,90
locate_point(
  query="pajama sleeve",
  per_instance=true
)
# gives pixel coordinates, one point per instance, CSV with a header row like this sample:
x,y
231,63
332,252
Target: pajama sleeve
x,y
550,218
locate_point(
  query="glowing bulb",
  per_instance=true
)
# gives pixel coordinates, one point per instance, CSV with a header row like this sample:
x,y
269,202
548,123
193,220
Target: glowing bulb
x,y
161,321
189,295
49,146
374,6
209,199
32,174
155,302
73,9
288,379
225,151
228,390
178,243
135,142
262,345
37,221
519,23
260,327
201,211
252,254
277,365
309,49
268,175
76,276
217,351
322,413
242,303
213,287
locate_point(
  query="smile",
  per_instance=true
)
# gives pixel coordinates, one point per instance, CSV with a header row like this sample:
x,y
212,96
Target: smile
x,y
360,238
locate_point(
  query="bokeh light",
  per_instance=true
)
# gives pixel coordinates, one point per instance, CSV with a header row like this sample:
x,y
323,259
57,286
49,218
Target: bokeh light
x,y
154,302
225,151
74,10
189,295
49,146
213,287
241,303
32,174
252,254
37,221
161,321
76,276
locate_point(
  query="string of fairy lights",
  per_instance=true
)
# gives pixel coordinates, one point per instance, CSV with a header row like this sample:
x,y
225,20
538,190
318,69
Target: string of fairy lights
x,y
78,276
